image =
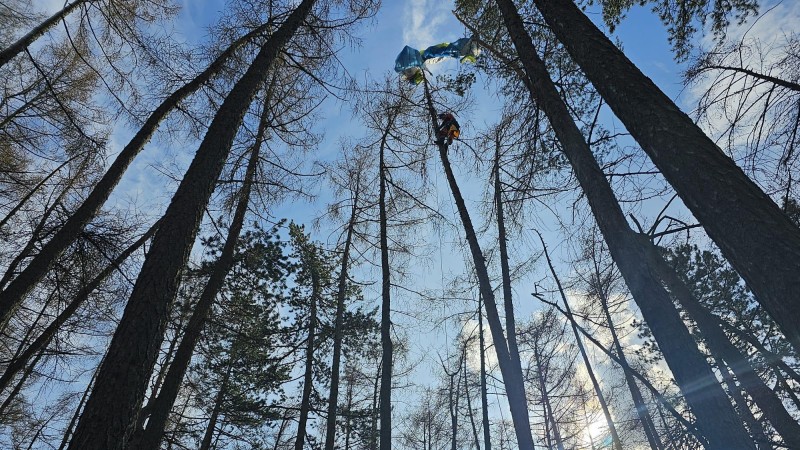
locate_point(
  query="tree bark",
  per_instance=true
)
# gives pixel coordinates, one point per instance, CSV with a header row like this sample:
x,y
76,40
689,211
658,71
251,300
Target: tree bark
x,y
205,444
8,53
13,294
386,304
43,340
333,398
153,433
752,232
305,403
698,383
123,376
642,411
510,370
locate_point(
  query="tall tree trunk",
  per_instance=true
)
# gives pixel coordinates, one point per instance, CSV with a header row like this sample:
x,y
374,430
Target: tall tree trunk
x,y
308,381
642,411
471,413
13,294
386,304
43,340
333,398
698,383
123,377
68,431
8,53
722,349
20,383
762,442
208,436
549,417
752,232
510,370
508,300
487,432
595,385
162,405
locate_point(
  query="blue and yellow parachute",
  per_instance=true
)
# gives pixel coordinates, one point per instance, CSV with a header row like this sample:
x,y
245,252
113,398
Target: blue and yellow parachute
x,y
410,62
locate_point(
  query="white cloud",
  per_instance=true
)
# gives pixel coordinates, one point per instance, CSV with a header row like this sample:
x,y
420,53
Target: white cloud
x,y
423,22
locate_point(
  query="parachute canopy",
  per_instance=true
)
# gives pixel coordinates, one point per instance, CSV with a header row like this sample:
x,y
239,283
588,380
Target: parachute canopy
x,y
411,61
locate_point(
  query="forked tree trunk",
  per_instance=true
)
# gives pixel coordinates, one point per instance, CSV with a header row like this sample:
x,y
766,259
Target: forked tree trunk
x,y
512,374
698,383
106,424
13,294
752,232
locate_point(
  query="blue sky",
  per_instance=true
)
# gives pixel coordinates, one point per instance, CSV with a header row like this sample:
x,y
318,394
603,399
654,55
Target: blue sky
x,y
420,23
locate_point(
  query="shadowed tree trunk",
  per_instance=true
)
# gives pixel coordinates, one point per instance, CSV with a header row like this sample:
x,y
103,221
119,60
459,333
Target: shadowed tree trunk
x,y
549,417
642,411
333,398
597,392
758,239
386,302
41,342
692,373
107,424
14,293
310,261
208,436
162,405
723,349
8,53
511,370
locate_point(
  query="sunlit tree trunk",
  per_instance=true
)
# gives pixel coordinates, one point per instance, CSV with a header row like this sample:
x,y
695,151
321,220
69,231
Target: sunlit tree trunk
x,y
105,424
8,53
758,239
487,432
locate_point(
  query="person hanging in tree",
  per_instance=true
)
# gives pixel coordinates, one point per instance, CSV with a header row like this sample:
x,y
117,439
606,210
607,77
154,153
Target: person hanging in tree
x,y
448,130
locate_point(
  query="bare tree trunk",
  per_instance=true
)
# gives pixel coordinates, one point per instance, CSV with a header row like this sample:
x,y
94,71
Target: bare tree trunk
x,y
762,442
469,402
710,404
599,393
50,331
212,421
487,432
752,232
305,403
511,371
123,376
642,410
549,417
151,437
14,293
21,382
333,398
24,42
74,419
386,305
